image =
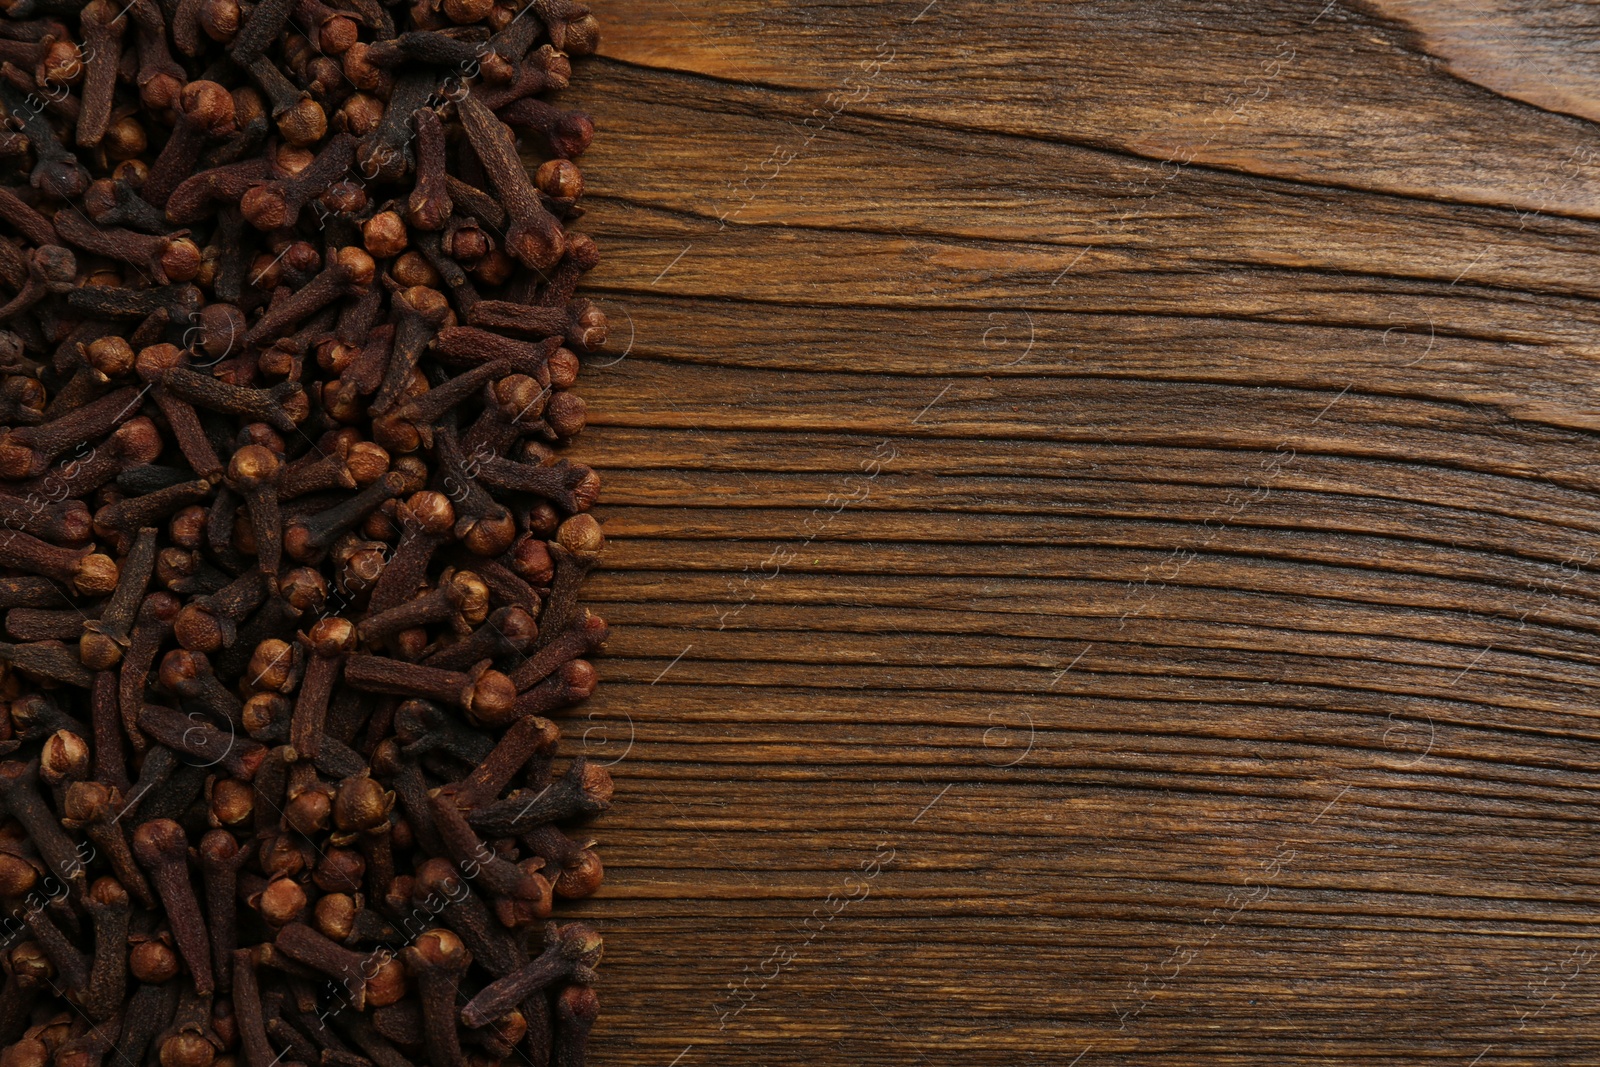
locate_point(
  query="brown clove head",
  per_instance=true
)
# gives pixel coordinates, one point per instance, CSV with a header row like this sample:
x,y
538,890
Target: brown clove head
x,y
332,636
17,876
87,802
581,879
253,467
281,902
438,951
65,758
160,843
153,962
581,535
361,804
492,698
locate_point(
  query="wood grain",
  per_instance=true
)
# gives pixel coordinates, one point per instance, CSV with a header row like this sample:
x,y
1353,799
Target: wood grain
x,y
1523,49
1103,516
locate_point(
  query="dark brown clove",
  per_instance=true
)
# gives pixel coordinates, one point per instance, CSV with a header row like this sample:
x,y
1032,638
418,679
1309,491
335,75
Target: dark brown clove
x,y
526,738
483,693
437,961
161,847
444,890
199,194
427,519
96,809
220,861
329,642
496,873
151,627
253,473
71,965
351,270
110,910
507,632
573,681
283,406
308,538
571,953
351,969
275,205
19,792
584,639
102,26
535,235
209,623
563,133
463,599
104,639
203,742
429,205
577,1007
205,110
583,791
189,675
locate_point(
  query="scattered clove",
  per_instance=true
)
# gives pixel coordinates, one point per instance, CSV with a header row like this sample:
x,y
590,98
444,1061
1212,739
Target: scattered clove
x,y
288,332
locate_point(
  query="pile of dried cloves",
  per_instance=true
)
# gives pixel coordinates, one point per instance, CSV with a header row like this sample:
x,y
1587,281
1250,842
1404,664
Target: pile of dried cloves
x,y
289,566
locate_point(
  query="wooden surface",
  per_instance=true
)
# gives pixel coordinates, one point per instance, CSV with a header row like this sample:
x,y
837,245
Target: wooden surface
x,y
1103,516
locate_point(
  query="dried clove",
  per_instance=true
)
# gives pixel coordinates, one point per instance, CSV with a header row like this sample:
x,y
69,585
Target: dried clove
x,y
292,570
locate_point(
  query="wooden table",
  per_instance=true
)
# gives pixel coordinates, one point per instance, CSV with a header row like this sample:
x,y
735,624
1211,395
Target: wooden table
x,y
1103,556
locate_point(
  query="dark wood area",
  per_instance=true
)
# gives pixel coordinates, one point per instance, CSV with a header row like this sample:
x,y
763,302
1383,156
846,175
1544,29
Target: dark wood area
x,y
1103,516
